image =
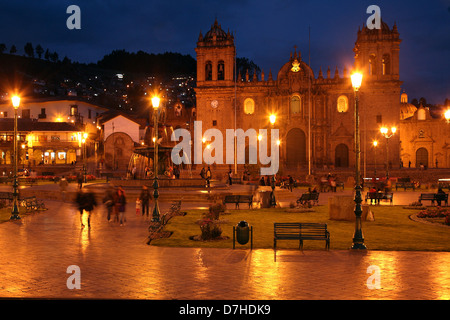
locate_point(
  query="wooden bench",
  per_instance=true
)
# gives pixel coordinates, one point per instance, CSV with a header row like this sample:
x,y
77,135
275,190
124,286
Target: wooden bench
x,y
237,199
378,196
33,204
434,197
308,197
27,181
405,185
301,231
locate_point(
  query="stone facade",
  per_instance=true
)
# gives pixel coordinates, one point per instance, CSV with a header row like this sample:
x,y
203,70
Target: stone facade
x,y
310,109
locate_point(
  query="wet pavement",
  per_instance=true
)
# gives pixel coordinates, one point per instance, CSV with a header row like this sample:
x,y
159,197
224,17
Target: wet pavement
x,y
45,254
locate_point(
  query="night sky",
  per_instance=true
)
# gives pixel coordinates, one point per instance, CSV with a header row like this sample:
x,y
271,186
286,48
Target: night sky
x,y
265,32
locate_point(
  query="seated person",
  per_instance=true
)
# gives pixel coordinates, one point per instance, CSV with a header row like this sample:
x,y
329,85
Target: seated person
x,y
440,196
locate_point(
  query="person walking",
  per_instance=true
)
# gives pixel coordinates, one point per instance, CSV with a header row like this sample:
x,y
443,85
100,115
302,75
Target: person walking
x,y
90,204
121,204
80,199
145,198
63,184
291,183
80,180
230,177
208,177
108,201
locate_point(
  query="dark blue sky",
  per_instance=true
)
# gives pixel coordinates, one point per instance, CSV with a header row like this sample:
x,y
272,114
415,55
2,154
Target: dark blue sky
x,y
265,31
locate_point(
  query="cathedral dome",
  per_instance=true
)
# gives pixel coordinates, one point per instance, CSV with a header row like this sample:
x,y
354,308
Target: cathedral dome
x,y
407,110
215,32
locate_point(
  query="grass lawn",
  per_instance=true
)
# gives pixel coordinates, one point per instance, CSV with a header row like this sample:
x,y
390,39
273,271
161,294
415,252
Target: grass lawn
x,y
391,230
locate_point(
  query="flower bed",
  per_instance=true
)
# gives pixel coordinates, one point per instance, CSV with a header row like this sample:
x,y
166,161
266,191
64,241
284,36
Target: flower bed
x,y
438,214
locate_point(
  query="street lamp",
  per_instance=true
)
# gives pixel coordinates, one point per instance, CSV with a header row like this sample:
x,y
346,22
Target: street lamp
x,y
447,115
15,208
375,144
155,104
272,119
358,240
85,135
273,201
387,133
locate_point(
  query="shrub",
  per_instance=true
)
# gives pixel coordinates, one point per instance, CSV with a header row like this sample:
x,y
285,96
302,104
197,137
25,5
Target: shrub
x,y
437,212
210,225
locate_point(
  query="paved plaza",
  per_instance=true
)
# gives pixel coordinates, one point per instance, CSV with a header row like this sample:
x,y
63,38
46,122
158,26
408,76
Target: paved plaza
x,y
40,250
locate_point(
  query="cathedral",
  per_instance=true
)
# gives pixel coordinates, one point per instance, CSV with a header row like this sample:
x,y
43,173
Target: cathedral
x,y
314,113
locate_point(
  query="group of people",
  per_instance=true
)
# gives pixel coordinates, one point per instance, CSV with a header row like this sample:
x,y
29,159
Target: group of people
x,y
115,202
206,175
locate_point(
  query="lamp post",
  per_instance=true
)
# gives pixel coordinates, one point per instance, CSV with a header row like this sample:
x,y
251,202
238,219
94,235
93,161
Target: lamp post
x,y
155,104
358,240
15,208
85,135
387,134
273,201
375,144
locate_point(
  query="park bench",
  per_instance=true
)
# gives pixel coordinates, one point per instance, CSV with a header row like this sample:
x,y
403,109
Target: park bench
x,y
33,204
308,198
237,199
156,227
405,183
300,231
27,181
378,196
434,197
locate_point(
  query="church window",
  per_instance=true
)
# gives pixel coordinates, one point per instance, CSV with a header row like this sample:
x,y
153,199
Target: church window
x,y
386,64
221,70
295,104
249,106
372,65
342,104
379,118
208,71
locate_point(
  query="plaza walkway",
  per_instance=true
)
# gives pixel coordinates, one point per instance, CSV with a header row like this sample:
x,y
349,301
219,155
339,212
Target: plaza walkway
x,y
115,263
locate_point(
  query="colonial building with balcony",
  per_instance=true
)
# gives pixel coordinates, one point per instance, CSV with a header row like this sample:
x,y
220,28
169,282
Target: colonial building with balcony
x,y
40,143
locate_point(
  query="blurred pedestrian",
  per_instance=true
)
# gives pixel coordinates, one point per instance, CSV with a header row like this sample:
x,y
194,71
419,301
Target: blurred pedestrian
x,y
90,204
63,184
80,180
121,204
145,198
108,201
80,199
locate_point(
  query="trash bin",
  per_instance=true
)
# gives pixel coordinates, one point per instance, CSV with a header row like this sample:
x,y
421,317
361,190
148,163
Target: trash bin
x,y
242,232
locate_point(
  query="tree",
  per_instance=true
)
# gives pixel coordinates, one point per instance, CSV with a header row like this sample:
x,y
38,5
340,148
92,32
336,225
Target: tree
x,y
39,51
47,55
29,51
54,57
13,49
244,64
2,48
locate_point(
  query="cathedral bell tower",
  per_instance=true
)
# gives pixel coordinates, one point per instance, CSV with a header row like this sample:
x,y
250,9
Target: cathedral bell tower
x,y
377,52
215,57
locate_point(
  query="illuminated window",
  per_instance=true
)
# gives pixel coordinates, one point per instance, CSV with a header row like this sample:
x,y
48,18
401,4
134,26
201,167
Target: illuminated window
x,y
249,106
342,104
295,104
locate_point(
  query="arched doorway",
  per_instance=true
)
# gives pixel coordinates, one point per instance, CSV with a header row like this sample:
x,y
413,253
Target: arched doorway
x,y
295,147
341,156
421,157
